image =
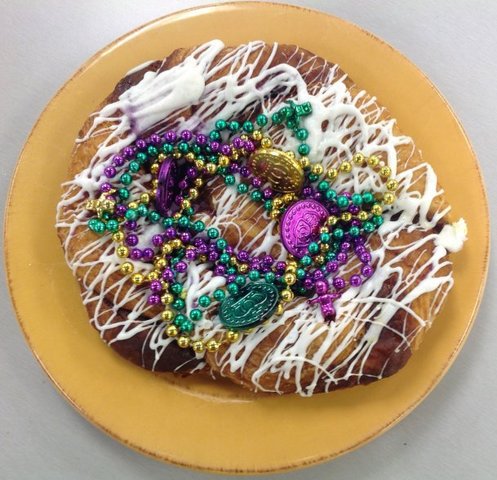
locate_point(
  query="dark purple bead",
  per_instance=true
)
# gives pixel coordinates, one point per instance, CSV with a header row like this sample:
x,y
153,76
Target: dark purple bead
x,y
132,240
141,144
354,209
170,136
155,139
238,142
120,210
249,146
339,283
231,278
181,267
178,199
230,250
148,254
155,286
243,256
321,287
190,254
128,152
215,146
334,210
355,281
360,240
255,264
360,249
185,237
198,241
110,171
191,173
345,247
308,283
105,187
213,256
318,275
355,223
244,171
131,225
201,139
318,196
307,191
118,161
332,266
203,249
365,257
280,266
157,240
219,270
367,270
226,150
168,275
154,299
182,185
342,257
267,260
234,168
256,182
267,193
347,194
136,254
170,233
186,135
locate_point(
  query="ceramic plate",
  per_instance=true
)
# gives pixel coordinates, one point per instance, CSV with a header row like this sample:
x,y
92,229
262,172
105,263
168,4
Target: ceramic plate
x,y
193,422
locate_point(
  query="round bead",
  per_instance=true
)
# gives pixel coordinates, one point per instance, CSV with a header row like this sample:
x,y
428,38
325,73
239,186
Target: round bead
x,y
171,330
261,120
286,295
388,198
137,278
204,301
392,185
126,268
373,161
219,295
302,134
198,346
342,201
290,278
221,124
359,159
232,336
212,346
195,314
183,342
167,315
213,233
385,172
304,149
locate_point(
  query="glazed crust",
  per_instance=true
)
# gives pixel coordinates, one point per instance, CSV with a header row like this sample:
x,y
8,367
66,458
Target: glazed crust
x,y
390,352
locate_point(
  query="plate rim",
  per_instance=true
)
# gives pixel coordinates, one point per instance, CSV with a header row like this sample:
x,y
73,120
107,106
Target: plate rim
x,y
204,9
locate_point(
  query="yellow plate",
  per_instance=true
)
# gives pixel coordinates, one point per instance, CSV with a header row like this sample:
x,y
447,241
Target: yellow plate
x,y
196,423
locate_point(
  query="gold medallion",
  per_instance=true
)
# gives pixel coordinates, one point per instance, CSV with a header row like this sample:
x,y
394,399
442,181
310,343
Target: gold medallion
x,y
279,168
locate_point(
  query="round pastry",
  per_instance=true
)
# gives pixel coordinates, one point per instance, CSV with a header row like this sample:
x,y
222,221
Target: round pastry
x,y
250,212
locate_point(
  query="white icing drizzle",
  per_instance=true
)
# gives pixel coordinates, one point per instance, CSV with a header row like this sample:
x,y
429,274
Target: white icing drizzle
x,y
341,123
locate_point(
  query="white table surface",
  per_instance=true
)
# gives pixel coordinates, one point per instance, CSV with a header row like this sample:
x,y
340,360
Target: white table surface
x,y
451,435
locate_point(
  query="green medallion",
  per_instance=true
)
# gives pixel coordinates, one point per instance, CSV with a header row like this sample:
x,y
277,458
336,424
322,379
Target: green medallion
x,y
250,306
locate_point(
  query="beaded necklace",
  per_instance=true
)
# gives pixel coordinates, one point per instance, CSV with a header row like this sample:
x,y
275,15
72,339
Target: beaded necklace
x,y
319,227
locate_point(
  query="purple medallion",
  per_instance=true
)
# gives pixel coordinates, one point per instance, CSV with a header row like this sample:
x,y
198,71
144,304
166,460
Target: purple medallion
x,y
300,225
166,187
